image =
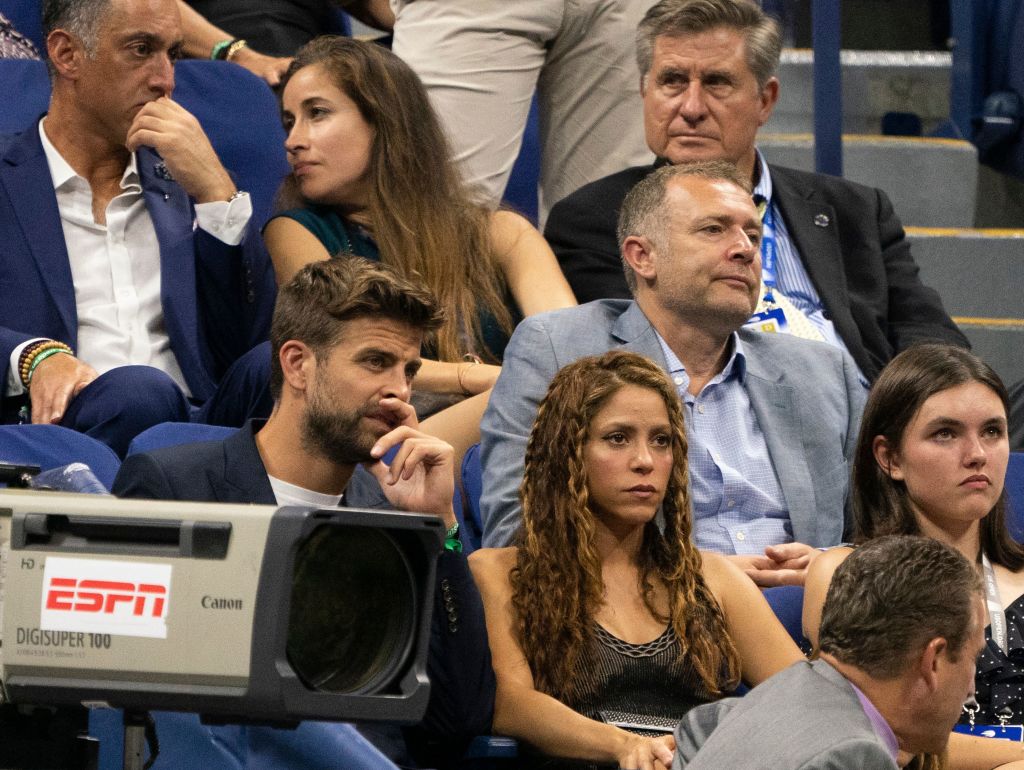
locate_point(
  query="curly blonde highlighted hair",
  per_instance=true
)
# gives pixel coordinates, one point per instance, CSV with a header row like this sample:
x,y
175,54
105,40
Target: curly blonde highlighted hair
x,y
556,583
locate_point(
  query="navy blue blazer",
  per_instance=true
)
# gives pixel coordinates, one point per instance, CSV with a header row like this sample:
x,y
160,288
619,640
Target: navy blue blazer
x,y
217,299
459,660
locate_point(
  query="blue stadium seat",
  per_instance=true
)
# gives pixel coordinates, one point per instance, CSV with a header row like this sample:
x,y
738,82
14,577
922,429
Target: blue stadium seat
x,y
787,602
470,522
27,79
27,18
51,446
1015,496
174,433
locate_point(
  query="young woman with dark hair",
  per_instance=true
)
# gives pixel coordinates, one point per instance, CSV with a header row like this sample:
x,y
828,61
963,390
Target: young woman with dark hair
x,y
931,460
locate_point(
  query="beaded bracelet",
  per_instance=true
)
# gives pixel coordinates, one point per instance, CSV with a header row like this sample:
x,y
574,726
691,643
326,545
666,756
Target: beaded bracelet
x,y
31,351
34,353
40,358
219,50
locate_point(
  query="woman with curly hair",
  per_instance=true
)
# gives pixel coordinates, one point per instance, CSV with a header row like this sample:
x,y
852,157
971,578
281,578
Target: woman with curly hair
x,y
605,612
371,176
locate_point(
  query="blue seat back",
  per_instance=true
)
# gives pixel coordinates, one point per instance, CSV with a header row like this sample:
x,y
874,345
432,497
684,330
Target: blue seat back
x,y
472,486
27,79
787,602
1015,496
174,433
51,446
27,18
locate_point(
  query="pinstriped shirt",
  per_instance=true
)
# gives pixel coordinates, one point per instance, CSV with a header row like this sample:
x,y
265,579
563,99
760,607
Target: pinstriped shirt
x,y
738,506
790,274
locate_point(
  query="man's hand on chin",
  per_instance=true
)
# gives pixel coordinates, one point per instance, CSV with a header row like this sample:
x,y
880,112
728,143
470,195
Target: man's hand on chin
x,y
781,565
421,476
175,133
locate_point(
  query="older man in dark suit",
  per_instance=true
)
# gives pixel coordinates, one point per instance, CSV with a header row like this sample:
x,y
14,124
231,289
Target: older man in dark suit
x,y
835,249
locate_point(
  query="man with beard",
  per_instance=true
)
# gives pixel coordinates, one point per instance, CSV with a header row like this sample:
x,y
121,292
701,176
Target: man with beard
x,y
346,337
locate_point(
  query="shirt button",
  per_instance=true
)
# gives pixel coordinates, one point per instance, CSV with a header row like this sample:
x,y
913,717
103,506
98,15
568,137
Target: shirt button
x,y
700,408
741,536
731,503
677,380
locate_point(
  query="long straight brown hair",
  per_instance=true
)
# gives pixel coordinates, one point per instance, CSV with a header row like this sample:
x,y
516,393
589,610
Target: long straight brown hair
x,y
424,221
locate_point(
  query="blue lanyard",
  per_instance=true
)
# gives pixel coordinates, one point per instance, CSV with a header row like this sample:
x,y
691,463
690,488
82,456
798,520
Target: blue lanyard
x,y
768,251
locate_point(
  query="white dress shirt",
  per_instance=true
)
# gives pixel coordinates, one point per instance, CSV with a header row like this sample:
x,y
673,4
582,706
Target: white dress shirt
x,y
116,269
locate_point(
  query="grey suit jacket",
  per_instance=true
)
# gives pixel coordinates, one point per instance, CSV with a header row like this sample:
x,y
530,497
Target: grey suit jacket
x,y
807,717
806,396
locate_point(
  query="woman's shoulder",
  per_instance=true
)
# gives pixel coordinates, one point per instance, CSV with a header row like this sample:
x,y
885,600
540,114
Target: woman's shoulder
x,y
826,563
489,562
507,228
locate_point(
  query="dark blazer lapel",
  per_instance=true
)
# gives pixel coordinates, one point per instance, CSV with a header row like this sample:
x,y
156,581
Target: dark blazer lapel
x,y
778,415
25,175
245,477
821,252
174,221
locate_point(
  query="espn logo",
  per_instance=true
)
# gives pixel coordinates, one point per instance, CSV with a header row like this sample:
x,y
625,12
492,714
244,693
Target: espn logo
x,y
102,596
73,595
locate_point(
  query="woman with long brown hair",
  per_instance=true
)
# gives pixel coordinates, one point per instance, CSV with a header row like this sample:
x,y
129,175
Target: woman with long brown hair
x,y
371,176
605,612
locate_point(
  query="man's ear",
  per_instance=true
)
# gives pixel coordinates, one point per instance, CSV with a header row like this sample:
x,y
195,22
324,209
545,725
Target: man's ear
x,y
639,255
887,457
65,52
297,363
931,660
769,96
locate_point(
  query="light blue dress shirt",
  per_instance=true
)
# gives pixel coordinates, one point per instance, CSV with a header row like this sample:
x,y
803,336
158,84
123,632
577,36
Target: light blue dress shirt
x,y
738,506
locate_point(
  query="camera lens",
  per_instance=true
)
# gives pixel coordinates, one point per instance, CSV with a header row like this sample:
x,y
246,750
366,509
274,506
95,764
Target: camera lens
x,y
353,610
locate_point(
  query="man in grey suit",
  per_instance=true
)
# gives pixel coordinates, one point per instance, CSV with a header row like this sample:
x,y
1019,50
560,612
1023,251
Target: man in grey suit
x,y
902,626
771,419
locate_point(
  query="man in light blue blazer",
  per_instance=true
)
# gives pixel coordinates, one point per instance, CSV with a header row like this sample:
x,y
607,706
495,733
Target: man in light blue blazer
x,y
771,419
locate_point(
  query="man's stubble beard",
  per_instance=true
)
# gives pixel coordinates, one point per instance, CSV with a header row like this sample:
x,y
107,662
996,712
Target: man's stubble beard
x,y
336,435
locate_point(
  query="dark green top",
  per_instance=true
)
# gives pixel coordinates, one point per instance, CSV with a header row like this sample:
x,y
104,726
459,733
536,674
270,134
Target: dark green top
x,y
339,237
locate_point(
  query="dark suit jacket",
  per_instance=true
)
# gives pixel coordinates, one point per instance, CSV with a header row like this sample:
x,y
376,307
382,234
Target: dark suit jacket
x,y
860,262
217,299
231,471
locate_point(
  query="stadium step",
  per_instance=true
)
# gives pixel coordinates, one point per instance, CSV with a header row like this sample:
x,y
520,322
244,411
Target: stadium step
x,y
874,83
931,182
973,272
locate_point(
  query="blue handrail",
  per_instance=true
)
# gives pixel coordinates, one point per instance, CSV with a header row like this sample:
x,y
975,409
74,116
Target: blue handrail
x,y
828,87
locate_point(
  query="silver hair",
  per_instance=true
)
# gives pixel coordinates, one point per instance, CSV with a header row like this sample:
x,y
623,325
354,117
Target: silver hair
x,y
691,17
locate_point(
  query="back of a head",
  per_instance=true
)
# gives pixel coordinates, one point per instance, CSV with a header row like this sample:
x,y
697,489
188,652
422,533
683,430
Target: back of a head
x,y
314,306
892,596
693,17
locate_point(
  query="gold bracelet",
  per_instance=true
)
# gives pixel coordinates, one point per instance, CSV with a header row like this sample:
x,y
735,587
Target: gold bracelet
x,y
234,48
462,371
